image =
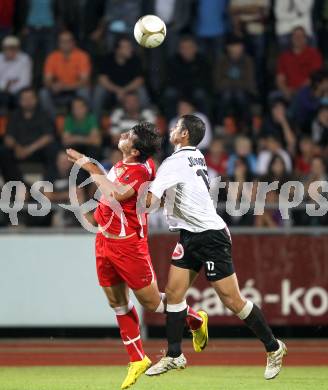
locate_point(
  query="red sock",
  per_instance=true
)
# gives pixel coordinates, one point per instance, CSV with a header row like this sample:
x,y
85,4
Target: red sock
x,y
130,332
194,320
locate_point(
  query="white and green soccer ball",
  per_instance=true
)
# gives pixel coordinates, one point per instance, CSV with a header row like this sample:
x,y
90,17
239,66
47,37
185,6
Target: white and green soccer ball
x,y
150,31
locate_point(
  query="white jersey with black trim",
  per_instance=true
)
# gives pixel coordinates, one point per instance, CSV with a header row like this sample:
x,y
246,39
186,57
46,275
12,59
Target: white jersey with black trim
x,y
183,179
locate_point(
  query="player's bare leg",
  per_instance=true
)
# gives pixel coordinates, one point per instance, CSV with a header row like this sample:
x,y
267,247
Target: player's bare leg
x,y
229,293
128,321
150,298
179,281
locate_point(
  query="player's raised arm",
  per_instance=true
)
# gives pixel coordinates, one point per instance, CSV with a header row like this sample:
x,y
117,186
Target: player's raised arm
x,y
109,189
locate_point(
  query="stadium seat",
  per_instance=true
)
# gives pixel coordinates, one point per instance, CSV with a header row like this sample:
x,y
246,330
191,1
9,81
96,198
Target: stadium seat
x,y
3,124
60,121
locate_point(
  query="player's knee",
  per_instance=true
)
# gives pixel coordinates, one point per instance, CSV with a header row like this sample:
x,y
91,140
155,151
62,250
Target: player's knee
x,y
151,306
115,302
233,303
173,295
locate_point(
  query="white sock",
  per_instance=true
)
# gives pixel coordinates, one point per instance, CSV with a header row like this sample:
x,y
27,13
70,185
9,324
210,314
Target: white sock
x,y
177,307
161,306
246,310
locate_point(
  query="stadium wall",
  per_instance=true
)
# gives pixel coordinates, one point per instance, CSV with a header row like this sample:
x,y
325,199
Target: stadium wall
x,y
49,280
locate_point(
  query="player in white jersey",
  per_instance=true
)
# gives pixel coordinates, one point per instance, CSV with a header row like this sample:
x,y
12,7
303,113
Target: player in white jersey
x,y
204,242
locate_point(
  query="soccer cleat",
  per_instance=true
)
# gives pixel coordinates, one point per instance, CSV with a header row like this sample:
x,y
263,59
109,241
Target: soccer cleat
x,y
135,369
200,336
167,363
274,361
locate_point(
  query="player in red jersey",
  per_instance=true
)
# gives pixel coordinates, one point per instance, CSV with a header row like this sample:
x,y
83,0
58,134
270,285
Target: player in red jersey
x,y
122,254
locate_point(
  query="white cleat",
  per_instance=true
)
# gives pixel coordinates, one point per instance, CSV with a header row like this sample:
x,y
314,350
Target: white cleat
x,y
274,361
167,363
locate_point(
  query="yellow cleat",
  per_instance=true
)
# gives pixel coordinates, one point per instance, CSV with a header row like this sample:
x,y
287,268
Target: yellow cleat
x,y
135,369
200,336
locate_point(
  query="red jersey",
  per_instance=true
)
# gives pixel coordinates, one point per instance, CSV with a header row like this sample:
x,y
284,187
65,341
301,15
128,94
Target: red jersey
x,y
298,67
121,218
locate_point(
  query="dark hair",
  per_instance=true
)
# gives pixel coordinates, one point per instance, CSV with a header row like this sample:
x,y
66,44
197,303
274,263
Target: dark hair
x,y
188,38
299,28
188,100
195,127
147,141
27,89
277,101
317,77
68,32
277,157
121,38
248,174
80,99
233,39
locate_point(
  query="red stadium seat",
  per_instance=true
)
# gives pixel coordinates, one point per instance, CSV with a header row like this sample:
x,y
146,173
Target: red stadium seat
x,y
3,124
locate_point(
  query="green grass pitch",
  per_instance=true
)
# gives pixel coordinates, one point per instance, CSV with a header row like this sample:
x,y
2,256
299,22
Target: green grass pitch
x,y
193,378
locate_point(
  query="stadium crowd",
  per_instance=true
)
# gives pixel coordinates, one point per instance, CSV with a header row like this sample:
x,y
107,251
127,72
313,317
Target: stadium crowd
x,y
71,75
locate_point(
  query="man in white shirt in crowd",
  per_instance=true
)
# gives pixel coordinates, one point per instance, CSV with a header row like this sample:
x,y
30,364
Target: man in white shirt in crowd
x,y
204,243
290,14
272,146
15,72
129,114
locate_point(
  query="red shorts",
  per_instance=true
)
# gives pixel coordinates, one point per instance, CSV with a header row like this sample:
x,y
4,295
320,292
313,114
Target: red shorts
x,y
123,261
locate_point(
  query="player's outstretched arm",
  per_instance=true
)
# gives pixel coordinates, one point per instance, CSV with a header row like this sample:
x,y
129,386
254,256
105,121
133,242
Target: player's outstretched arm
x,y
109,189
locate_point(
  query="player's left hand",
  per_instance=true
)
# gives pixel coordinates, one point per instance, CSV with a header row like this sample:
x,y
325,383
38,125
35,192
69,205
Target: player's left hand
x,y
81,160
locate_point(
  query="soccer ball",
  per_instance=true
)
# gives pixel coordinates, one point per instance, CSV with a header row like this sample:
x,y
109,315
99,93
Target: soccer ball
x,y
150,31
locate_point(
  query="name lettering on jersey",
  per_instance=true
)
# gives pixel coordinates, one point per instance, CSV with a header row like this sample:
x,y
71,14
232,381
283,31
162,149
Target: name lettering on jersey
x,y
196,161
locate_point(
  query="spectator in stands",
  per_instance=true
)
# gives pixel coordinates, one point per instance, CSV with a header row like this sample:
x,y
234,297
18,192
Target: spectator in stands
x,y
290,14
320,129
242,149
278,125
272,146
15,72
7,14
308,99
118,19
66,75
82,18
318,172
177,16
188,107
30,137
211,26
234,81
296,65
128,115
240,191
81,130
321,17
121,72
216,158
249,21
307,151
188,75
39,19
111,159
277,171
314,194
39,27
60,193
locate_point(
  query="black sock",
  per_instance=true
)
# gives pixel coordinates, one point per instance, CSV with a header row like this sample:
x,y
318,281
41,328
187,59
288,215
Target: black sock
x,y
257,323
175,323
